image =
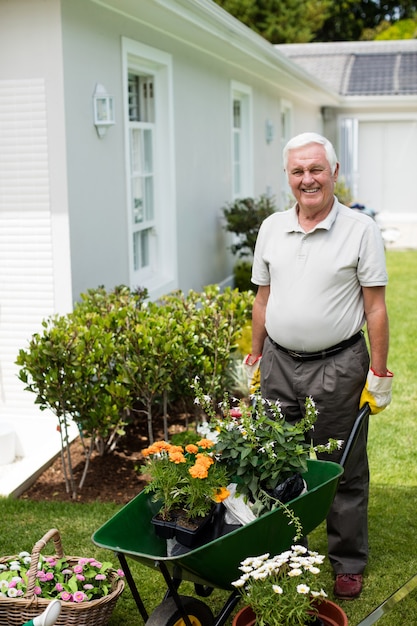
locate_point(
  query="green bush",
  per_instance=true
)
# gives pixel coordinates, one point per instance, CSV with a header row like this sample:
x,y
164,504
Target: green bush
x,y
242,274
343,192
244,218
118,354
212,324
75,370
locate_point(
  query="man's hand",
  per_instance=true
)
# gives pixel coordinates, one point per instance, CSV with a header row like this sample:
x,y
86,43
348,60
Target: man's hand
x,y
377,391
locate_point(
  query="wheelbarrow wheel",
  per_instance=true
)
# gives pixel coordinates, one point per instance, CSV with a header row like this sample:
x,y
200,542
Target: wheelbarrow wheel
x,y
168,614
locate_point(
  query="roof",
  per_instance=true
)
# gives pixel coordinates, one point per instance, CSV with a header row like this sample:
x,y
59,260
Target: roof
x,y
360,68
203,25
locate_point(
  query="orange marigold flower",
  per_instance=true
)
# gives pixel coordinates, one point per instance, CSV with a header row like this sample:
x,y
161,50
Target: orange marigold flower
x,y
159,446
175,448
205,443
177,457
204,460
156,448
191,448
198,471
221,494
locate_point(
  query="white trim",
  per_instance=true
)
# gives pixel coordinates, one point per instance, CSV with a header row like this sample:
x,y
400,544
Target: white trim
x,y
286,108
243,93
140,57
388,116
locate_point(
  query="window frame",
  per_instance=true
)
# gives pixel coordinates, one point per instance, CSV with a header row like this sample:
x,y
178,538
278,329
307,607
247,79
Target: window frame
x,y
242,93
160,276
286,132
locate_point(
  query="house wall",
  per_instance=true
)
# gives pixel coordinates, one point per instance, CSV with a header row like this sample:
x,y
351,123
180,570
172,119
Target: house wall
x,y
202,146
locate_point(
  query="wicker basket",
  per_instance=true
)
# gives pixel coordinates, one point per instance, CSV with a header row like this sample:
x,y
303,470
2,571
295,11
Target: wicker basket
x,y
16,611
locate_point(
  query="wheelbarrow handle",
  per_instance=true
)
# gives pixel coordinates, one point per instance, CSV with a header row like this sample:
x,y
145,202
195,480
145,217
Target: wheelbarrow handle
x,y
354,433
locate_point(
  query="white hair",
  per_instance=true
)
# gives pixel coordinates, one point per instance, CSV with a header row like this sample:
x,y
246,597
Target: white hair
x,y
306,138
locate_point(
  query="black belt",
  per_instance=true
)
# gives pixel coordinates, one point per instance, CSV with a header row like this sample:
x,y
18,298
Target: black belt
x,y
321,354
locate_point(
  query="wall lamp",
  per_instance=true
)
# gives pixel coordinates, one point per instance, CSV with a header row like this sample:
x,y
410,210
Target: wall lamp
x,y
103,105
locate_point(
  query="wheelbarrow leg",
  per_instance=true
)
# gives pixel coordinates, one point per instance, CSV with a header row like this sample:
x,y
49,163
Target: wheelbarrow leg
x,y
132,585
173,592
228,607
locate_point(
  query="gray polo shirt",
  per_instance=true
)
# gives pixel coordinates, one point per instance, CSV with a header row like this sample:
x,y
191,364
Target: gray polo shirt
x,y
316,277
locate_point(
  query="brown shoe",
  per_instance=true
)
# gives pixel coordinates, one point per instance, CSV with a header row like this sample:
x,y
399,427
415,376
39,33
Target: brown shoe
x,y
348,586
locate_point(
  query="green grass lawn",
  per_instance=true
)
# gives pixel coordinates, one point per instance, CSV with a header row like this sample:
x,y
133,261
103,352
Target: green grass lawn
x,y
392,513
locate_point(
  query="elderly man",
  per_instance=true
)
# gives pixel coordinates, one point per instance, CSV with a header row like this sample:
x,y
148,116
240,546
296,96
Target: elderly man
x,y
320,271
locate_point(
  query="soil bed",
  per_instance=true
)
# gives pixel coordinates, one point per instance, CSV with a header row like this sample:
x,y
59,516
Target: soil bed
x,y
114,477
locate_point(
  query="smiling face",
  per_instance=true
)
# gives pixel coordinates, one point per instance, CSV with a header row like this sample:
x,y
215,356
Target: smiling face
x,y
311,179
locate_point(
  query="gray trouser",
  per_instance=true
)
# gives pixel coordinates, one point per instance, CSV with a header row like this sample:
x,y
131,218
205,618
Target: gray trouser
x,y
335,383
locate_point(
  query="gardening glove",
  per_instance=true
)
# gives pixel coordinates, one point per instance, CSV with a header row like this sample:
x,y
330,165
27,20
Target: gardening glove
x,y
253,372
377,391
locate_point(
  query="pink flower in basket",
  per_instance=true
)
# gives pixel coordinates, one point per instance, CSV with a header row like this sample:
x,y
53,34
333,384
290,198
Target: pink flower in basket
x,y
79,596
86,579
66,597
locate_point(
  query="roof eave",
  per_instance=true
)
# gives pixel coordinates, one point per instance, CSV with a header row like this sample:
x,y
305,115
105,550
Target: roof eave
x,y
221,35
379,102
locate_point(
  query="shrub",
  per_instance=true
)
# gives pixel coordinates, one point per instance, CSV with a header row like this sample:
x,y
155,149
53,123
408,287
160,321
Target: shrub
x,y
116,353
243,218
74,368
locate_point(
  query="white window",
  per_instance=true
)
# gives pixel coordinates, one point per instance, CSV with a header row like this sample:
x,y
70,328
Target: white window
x,y
242,162
142,174
150,168
286,134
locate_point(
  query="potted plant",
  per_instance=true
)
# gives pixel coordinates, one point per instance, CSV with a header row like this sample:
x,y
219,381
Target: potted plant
x,y
283,591
265,455
243,218
188,481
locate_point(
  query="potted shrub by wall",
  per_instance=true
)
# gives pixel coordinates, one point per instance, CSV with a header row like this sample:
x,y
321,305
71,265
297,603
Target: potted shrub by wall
x,y
243,218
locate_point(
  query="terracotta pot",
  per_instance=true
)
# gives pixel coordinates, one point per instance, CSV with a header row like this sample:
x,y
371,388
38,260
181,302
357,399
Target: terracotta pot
x,y
330,614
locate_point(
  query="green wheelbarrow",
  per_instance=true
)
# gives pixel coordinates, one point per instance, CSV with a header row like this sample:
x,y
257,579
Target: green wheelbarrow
x,y
215,563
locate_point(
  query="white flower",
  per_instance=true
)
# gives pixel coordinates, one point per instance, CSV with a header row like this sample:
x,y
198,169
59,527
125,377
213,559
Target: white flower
x,y
4,585
238,583
304,589
12,592
277,589
299,549
295,572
